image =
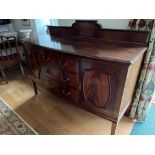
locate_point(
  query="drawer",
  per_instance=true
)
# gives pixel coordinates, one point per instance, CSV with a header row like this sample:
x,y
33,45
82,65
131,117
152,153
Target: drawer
x,y
52,85
71,79
69,63
53,57
54,72
51,71
70,94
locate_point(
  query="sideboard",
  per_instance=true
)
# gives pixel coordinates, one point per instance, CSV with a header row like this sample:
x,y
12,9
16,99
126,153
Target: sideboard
x,y
91,67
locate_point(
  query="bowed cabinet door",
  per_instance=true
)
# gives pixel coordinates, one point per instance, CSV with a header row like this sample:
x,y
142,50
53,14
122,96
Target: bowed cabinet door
x,y
99,85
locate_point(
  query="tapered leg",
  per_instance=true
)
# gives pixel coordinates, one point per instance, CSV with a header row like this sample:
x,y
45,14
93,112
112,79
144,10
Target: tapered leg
x,y
113,128
35,87
3,74
22,69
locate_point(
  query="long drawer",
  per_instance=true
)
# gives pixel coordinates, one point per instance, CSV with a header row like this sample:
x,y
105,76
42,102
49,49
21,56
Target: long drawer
x,y
68,63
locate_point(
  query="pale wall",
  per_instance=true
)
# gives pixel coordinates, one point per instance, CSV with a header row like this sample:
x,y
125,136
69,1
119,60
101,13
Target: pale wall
x,y
7,27
106,23
37,25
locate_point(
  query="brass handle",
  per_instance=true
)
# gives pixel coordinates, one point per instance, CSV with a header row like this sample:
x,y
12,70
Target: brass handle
x,y
65,93
63,63
65,79
48,59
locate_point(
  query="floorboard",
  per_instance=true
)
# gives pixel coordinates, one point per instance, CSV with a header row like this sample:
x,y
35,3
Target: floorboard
x,y
48,114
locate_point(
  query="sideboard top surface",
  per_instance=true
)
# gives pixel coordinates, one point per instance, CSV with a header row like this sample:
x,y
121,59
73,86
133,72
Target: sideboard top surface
x,y
89,39
114,52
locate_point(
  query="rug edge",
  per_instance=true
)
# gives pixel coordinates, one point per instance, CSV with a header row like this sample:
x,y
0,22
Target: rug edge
x,y
19,116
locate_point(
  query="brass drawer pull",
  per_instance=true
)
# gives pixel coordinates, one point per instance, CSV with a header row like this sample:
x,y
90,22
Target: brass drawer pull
x,y
48,59
64,79
65,92
63,63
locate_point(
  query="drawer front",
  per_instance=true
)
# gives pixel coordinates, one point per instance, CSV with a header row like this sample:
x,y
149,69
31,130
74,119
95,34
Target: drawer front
x,y
71,79
70,94
53,57
69,63
52,85
54,72
51,71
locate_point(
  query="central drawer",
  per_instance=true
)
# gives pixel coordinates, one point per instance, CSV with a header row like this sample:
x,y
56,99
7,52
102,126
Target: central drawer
x,y
69,63
60,75
53,57
54,72
71,79
66,62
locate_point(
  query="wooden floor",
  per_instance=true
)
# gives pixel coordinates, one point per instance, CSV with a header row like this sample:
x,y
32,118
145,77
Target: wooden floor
x,y
48,114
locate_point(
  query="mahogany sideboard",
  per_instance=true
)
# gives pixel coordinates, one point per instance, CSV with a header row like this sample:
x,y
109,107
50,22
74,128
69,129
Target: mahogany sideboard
x,y
91,67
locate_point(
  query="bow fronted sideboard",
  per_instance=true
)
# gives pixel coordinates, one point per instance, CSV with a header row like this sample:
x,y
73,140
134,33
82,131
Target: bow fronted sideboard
x,y
93,68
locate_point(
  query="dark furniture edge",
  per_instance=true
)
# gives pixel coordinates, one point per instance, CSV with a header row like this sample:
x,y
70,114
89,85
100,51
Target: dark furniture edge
x,y
90,29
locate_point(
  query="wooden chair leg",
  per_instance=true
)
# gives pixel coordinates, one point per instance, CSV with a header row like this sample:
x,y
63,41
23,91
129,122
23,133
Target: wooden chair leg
x,y
35,87
113,128
22,69
3,74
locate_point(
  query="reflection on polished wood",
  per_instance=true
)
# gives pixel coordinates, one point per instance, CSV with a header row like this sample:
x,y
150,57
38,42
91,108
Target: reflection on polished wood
x,y
48,114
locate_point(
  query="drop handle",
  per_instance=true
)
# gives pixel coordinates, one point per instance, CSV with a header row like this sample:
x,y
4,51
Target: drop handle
x,y
48,59
65,92
65,79
63,63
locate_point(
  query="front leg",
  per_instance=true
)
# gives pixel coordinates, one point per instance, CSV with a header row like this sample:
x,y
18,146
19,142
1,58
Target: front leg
x,y
113,128
35,87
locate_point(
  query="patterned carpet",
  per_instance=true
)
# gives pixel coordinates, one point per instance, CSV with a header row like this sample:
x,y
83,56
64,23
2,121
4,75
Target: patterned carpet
x,y
11,123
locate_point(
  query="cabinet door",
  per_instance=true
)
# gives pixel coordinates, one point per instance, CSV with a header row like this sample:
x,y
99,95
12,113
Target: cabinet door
x,y
99,85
